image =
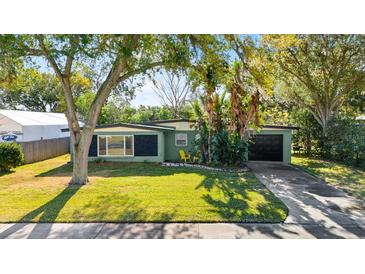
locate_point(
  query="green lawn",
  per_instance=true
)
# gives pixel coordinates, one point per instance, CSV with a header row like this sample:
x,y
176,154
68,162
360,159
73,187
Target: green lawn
x,y
134,192
348,178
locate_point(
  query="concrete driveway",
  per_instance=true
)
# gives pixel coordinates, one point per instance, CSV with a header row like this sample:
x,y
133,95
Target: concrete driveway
x,y
316,210
323,211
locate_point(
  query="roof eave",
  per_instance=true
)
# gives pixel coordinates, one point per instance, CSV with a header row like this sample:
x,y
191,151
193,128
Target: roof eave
x,y
139,126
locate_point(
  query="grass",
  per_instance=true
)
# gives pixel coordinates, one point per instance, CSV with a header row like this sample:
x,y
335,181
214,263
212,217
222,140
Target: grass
x,y
134,192
347,178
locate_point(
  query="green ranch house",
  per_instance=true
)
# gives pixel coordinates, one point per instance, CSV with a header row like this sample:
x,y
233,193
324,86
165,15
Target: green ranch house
x,y
161,141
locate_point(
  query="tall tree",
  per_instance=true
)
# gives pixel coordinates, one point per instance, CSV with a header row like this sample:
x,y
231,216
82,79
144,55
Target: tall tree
x,y
244,104
173,89
209,75
319,72
120,56
33,90
250,82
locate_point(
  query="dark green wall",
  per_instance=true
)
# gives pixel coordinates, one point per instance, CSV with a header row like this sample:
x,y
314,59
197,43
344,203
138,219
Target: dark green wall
x,y
171,150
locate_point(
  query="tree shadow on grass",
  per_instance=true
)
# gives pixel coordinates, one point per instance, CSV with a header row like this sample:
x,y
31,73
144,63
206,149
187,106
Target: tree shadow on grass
x,y
100,209
233,202
347,177
120,209
64,170
122,169
47,213
3,173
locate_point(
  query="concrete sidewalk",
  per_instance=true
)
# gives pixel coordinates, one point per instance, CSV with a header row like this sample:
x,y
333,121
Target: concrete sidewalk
x,y
175,231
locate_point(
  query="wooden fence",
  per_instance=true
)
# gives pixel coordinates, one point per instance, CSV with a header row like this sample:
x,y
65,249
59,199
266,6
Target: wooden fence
x,y
35,151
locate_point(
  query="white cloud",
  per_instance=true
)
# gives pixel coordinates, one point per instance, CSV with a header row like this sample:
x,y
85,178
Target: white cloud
x,y
146,96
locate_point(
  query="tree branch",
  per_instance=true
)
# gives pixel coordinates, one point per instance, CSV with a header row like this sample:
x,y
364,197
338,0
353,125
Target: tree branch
x,y
71,55
49,57
139,70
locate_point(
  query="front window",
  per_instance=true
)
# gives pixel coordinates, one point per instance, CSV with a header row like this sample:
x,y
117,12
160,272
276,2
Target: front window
x,y
128,145
181,140
102,145
116,145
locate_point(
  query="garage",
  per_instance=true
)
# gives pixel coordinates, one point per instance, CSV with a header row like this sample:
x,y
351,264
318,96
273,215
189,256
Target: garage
x,y
271,143
266,147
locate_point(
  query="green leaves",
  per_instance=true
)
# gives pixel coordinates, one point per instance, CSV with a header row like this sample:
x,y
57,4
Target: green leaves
x,y
11,155
319,72
349,146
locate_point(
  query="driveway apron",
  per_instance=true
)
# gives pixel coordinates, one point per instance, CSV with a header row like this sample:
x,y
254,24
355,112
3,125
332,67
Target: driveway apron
x,y
313,204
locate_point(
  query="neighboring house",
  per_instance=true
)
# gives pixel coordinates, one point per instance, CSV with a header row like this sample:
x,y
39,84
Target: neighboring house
x,y
25,126
161,141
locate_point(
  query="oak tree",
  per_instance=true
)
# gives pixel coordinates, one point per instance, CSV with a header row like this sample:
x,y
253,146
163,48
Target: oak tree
x,y
121,57
319,72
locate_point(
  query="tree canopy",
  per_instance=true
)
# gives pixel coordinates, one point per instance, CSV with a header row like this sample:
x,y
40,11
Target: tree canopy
x,y
318,72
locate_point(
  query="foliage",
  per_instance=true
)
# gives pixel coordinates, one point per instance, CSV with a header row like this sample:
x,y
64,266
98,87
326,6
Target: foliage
x,y
243,82
33,90
11,155
228,148
277,112
346,141
244,103
318,72
308,139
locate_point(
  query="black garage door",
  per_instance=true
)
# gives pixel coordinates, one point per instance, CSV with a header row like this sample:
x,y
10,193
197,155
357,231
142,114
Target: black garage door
x,y
266,148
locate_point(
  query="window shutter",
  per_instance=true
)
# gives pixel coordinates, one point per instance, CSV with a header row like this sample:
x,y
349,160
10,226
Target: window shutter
x,y
145,145
93,150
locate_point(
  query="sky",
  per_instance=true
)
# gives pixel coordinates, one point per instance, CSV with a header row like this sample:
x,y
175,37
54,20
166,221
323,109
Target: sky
x,y
146,96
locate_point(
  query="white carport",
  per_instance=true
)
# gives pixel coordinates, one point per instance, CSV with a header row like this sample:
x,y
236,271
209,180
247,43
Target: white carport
x,y
32,126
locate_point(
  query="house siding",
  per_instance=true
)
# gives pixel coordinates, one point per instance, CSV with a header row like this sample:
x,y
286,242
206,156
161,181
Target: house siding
x,y
171,150
168,151
157,159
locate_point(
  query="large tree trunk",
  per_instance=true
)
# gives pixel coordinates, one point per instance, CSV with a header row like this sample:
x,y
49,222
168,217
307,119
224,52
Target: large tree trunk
x,y
80,158
80,166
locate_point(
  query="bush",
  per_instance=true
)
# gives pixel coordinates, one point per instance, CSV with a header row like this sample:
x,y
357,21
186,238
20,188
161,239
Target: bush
x,y
99,160
346,141
11,155
226,149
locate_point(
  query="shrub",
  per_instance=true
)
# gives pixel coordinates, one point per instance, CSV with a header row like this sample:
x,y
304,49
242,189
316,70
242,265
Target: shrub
x,y
346,141
11,155
99,160
226,148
